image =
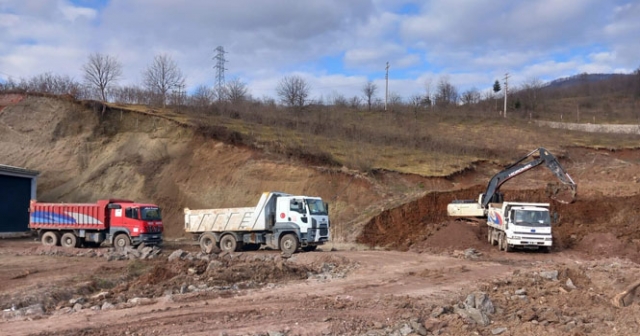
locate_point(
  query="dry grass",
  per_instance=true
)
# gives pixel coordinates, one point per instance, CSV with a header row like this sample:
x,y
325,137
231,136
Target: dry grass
x,y
426,143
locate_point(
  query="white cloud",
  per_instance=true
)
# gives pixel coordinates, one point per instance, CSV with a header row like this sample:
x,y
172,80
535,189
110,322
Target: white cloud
x,y
337,45
72,13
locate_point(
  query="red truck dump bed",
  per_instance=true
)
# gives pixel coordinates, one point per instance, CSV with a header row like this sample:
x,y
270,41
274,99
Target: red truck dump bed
x,y
88,216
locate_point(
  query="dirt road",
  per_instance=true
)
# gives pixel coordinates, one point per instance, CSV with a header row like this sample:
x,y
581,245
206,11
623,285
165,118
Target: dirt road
x,y
326,292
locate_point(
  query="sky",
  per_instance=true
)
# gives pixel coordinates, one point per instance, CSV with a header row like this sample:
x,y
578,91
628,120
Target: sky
x,y
336,45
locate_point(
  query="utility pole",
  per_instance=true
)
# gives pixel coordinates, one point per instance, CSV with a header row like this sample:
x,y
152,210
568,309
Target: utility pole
x,y
386,89
220,61
506,91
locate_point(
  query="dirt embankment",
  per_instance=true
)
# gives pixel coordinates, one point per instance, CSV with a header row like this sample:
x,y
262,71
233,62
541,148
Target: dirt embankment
x,y
603,227
84,154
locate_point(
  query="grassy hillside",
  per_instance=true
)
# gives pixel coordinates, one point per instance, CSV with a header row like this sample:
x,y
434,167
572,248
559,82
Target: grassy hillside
x,y
224,155
425,142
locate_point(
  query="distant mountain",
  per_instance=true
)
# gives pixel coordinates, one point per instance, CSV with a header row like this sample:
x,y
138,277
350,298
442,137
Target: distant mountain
x,y
581,79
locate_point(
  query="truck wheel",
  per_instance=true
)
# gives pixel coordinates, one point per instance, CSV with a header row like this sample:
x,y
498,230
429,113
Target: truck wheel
x,y
545,249
50,238
207,242
500,242
289,243
228,243
310,248
489,233
121,241
69,240
505,245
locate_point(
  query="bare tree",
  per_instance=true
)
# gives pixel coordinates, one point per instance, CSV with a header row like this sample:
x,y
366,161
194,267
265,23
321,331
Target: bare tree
x,y
446,93
203,96
339,100
101,71
470,96
130,95
354,102
52,84
293,91
532,91
395,99
162,76
369,91
236,91
428,94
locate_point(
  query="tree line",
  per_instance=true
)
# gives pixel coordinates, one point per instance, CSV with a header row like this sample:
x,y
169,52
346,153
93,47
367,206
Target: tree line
x,y
163,83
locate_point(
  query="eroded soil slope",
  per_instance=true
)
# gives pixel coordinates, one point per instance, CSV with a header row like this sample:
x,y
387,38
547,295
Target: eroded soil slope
x,y
84,154
603,221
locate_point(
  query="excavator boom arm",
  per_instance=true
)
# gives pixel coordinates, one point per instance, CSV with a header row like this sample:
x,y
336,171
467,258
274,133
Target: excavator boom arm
x,y
519,167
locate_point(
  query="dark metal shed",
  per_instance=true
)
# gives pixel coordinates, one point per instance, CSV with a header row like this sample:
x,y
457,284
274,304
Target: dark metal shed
x,y
17,188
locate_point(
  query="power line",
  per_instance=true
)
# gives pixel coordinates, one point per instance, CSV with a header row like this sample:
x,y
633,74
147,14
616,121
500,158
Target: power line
x,y
220,61
506,91
386,88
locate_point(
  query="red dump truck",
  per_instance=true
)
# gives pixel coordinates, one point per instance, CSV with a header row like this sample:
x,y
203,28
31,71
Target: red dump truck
x,y
119,222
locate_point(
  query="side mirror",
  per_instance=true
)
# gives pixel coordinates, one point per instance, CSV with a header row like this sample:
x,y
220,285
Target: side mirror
x,y
326,206
555,218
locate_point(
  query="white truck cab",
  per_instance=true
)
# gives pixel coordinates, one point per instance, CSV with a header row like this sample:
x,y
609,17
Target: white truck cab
x,y
519,225
308,214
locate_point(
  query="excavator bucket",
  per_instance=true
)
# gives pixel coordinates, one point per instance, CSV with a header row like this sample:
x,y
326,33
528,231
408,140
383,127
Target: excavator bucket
x,y
562,193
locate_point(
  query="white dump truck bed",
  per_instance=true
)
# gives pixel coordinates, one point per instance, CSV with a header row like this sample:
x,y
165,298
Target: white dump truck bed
x,y
468,208
218,220
231,219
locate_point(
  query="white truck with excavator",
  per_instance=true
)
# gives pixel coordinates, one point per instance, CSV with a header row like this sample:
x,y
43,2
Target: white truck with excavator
x,y
279,221
518,224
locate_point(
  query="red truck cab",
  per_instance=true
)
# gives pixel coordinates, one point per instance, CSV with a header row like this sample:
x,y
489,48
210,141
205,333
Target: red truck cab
x,y
141,222
119,222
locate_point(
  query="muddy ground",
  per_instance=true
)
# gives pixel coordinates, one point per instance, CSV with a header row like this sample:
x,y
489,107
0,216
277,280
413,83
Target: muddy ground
x,y
337,291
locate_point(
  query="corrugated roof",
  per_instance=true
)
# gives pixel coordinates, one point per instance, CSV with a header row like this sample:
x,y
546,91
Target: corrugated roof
x,y
10,170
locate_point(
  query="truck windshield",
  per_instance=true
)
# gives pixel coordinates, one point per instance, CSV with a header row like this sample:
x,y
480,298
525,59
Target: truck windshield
x,y
150,213
316,207
532,218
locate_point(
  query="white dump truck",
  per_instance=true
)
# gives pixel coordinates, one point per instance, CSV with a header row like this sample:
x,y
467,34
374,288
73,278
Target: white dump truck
x,y
519,225
279,221
505,229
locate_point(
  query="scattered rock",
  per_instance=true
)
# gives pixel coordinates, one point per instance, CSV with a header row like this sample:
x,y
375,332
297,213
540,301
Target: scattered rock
x,y
471,253
570,284
106,306
405,330
550,275
521,291
177,255
140,301
483,303
437,311
214,264
100,295
498,331
275,333
527,314
418,328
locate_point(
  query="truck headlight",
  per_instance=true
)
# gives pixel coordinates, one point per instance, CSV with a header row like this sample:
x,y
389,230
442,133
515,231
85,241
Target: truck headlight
x,y
516,237
548,239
